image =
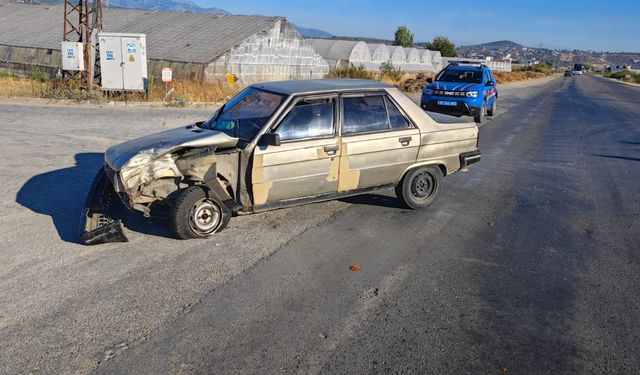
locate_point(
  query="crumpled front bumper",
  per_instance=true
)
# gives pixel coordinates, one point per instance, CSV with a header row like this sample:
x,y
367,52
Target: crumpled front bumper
x,y
101,220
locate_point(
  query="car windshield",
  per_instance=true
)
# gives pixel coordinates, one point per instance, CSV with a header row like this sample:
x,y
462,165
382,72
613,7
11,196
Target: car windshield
x,y
244,115
456,75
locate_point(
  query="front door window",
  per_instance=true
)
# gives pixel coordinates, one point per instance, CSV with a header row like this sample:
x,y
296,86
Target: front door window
x,y
309,118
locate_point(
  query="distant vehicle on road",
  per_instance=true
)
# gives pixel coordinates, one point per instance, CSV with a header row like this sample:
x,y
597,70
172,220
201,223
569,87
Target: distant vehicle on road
x,y
276,145
578,69
462,89
568,73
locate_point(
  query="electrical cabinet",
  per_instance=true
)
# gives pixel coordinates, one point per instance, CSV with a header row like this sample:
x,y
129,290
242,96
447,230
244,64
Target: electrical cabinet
x,y
72,56
123,61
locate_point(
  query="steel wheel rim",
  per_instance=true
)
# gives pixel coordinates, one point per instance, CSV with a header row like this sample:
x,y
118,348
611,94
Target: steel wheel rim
x,y
423,185
204,217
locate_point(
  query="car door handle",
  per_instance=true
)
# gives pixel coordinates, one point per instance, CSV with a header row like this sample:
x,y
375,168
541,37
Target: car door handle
x,y
331,150
404,140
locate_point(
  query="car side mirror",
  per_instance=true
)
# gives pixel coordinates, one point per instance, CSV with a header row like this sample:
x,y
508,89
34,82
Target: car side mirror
x,y
490,83
269,139
429,80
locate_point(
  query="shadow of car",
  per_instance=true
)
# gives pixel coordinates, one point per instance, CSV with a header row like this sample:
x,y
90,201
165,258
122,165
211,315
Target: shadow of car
x,y
62,195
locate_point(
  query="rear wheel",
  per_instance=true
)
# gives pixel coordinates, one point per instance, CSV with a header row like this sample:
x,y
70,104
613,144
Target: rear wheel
x,y
198,214
420,187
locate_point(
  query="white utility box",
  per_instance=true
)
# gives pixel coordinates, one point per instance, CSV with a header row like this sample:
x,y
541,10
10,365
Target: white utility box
x,y
123,61
72,56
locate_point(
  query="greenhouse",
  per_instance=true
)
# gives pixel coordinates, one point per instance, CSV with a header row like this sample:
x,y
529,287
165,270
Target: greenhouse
x,y
197,45
341,53
379,53
414,58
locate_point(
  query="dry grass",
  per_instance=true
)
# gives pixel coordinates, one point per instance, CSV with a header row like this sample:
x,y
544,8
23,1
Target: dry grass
x,y
388,73
504,77
181,92
11,85
192,90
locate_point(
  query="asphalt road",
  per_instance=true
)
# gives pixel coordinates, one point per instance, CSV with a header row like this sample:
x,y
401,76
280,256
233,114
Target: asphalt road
x,y
527,264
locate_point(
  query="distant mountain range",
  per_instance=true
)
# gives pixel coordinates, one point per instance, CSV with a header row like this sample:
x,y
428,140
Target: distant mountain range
x,y
529,55
166,5
313,33
498,44
178,6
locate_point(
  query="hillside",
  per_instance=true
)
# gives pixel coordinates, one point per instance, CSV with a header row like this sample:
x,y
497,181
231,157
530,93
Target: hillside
x,y
166,5
178,6
313,33
566,58
502,44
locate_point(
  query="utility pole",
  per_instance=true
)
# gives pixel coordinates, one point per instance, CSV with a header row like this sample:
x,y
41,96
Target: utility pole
x,y
81,19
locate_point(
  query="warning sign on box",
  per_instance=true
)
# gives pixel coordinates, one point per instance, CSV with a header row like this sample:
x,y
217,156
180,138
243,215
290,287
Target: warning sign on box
x,y
167,74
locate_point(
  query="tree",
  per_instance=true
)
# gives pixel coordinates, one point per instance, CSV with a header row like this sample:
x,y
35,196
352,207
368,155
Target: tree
x,y
403,37
444,45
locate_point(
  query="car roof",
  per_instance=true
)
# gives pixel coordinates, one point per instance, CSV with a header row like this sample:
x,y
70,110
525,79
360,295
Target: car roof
x,y
466,67
320,85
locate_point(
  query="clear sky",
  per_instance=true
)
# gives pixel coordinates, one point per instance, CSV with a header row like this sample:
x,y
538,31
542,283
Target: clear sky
x,y
570,24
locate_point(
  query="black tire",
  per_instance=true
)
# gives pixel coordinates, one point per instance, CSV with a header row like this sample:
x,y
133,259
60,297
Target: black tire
x,y
197,213
494,108
420,187
479,118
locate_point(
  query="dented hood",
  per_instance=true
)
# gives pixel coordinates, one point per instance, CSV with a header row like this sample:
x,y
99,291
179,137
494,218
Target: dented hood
x,y
166,142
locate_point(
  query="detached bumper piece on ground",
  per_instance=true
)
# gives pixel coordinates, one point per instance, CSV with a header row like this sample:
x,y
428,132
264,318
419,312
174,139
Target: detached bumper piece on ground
x,y
101,220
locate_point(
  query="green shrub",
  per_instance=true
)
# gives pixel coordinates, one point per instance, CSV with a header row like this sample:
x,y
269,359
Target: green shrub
x,y
70,90
541,68
177,102
389,71
38,75
403,37
625,75
444,45
351,71
7,75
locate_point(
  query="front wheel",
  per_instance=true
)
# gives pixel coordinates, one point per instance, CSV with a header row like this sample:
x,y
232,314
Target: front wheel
x,y
494,108
198,214
479,118
420,187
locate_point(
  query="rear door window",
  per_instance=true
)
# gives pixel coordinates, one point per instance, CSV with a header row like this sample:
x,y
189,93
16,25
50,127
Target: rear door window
x,y
365,114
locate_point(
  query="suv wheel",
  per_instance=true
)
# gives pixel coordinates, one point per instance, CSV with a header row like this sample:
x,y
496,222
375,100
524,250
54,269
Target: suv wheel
x,y
479,118
494,108
420,187
197,214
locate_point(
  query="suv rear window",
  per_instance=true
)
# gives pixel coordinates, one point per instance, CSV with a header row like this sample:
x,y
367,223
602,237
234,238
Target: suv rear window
x,y
458,75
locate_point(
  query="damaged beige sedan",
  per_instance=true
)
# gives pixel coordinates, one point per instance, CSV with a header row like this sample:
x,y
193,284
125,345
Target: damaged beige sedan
x,y
277,145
